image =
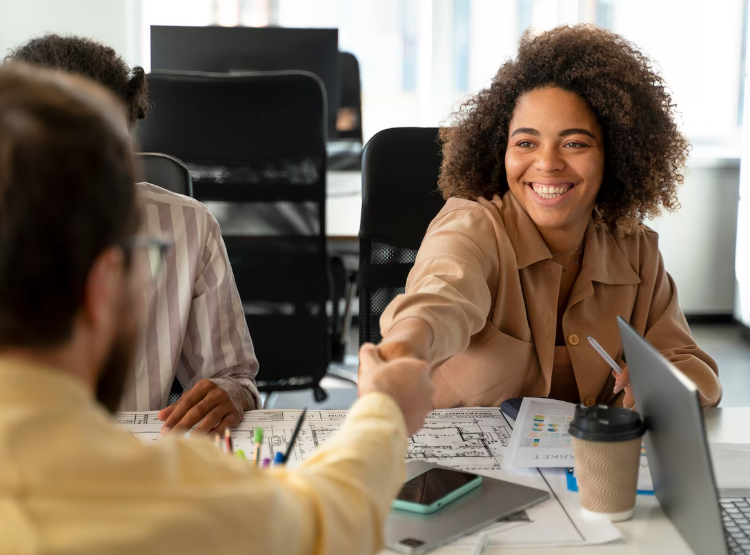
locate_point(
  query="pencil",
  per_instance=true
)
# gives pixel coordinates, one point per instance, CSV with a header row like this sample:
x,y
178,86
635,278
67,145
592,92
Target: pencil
x,y
481,545
297,428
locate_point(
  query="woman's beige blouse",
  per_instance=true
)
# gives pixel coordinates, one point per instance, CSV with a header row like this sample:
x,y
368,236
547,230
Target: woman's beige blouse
x,y
485,283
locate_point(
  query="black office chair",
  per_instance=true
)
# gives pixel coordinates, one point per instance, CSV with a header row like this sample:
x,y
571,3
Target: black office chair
x,y
351,95
255,145
165,171
400,198
346,139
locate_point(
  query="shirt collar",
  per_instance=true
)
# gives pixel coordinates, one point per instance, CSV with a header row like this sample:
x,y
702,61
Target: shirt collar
x,y
32,383
605,261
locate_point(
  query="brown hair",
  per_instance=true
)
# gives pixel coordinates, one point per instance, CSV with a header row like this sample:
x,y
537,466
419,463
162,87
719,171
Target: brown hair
x,y
66,194
644,150
91,59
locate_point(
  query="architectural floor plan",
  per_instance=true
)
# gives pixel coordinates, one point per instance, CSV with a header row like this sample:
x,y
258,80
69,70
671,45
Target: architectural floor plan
x,y
471,439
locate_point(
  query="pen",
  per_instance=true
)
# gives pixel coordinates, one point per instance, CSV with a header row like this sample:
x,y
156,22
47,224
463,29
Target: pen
x,y
604,355
290,447
258,440
479,548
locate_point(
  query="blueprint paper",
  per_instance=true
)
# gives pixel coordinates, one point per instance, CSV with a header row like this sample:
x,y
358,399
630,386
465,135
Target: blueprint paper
x,y
471,439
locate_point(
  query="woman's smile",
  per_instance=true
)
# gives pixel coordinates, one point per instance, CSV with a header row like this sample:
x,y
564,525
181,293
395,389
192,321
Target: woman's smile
x,y
550,191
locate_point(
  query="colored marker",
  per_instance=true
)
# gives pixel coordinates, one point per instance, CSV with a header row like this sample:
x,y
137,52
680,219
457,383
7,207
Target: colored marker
x,y
278,459
228,441
240,454
258,440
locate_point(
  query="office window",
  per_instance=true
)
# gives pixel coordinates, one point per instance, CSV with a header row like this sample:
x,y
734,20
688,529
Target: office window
x,y
420,58
409,39
462,38
605,13
698,47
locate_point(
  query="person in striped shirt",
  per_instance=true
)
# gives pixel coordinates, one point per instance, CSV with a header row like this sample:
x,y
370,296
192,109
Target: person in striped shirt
x,y
195,330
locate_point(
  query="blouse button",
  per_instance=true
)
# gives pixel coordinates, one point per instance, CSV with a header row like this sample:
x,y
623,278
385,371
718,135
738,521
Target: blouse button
x,y
590,402
573,339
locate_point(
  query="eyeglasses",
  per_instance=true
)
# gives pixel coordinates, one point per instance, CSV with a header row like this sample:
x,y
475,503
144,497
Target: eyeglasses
x,y
148,252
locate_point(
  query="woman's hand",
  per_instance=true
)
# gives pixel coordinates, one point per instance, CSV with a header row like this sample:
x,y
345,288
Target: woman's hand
x,y
410,338
623,383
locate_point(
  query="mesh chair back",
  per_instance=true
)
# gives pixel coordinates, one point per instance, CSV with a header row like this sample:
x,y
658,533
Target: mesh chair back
x,y
165,171
255,145
400,198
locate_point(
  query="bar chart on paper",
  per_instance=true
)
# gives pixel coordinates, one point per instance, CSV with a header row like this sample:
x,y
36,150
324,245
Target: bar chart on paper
x,y
540,438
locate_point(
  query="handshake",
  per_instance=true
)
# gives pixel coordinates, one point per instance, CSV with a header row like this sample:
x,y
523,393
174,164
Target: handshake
x,y
406,380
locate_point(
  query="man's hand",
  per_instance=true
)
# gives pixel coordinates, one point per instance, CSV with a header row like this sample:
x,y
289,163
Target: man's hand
x,y
206,403
406,380
623,382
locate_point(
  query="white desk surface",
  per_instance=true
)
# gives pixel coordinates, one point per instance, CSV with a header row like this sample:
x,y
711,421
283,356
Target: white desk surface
x,y
343,205
649,532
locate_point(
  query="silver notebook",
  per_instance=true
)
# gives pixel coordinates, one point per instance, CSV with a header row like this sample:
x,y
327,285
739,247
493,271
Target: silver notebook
x,y
494,500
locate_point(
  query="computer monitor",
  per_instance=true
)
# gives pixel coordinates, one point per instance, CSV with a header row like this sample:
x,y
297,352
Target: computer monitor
x,y
231,49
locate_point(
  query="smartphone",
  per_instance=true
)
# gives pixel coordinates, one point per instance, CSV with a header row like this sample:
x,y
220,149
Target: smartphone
x,y
434,489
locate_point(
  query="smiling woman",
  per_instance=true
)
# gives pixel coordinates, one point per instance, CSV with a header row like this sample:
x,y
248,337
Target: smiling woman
x,y
549,174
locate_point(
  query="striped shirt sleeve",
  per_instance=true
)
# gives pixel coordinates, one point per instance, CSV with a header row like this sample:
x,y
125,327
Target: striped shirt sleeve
x,y
217,342
195,326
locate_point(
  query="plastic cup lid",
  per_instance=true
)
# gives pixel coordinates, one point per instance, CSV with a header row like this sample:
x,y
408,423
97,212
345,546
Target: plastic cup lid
x,y
604,423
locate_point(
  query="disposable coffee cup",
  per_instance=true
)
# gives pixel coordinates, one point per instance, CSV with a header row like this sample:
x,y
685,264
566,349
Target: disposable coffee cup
x,y
607,448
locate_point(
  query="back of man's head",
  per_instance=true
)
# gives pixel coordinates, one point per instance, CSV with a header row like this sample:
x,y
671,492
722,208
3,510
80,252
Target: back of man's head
x,y
66,194
93,60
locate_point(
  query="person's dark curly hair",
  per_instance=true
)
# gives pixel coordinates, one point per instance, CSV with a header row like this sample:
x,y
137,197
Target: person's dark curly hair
x,y
644,150
91,59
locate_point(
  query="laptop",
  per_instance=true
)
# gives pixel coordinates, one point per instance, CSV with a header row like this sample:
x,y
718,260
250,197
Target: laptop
x,y
711,521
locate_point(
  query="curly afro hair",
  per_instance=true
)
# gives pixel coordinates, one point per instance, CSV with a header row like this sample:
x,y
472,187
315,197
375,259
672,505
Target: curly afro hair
x,y
644,150
91,59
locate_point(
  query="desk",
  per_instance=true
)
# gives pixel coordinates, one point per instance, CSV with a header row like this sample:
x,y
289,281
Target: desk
x,y
650,532
343,205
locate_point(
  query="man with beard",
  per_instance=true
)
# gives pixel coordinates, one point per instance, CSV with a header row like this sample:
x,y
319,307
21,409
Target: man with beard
x,y
71,285
195,329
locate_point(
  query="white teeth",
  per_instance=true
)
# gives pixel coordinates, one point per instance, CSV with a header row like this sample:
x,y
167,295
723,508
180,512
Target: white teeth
x,y
549,192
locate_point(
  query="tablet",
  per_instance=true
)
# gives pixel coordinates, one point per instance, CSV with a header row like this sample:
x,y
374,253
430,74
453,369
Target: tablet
x,y
494,500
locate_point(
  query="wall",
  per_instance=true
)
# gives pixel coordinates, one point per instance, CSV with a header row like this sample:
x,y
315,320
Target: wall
x,y
698,241
742,261
109,21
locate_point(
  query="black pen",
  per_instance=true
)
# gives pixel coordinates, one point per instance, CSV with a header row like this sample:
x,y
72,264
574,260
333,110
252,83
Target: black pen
x,y
290,447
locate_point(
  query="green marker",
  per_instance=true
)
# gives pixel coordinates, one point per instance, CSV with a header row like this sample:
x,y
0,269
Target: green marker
x,y
258,440
240,454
